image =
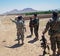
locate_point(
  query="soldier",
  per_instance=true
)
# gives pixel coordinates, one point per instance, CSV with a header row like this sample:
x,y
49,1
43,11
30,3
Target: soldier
x,y
31,26
36,26
20,28
53,26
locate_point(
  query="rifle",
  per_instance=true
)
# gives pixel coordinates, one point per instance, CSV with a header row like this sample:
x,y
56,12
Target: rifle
x,y
44,45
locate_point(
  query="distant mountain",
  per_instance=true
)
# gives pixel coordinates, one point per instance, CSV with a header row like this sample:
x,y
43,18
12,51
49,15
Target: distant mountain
x,y
15,11
28,10
25,10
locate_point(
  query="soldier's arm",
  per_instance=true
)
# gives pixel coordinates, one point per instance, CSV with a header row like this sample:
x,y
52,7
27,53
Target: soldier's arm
x,y
47,27
13,20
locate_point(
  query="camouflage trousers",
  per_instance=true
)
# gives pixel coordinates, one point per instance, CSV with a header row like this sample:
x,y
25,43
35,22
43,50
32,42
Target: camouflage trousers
x,y
20,34
55,42
36,31
31,30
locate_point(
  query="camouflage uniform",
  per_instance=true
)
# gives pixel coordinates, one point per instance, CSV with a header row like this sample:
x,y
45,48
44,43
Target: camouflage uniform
x,y
20,29
36,26
54,31
31,26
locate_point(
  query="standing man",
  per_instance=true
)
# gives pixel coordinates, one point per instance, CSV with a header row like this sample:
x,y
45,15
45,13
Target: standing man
x,y
31,26
20,28
53,26
36,26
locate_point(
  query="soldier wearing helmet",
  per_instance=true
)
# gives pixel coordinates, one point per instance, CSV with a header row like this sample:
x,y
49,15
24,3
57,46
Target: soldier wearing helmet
x,y
53,28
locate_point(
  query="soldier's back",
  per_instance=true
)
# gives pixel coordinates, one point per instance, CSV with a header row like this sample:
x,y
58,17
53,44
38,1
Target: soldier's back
x,y
20,24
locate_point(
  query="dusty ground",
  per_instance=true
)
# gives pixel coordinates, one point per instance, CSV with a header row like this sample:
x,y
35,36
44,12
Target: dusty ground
x,y
8,45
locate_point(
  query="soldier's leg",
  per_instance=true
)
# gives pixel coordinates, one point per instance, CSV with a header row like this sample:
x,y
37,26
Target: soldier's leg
x,y
53,45
22,38
36,32
18,37
31,30
58,45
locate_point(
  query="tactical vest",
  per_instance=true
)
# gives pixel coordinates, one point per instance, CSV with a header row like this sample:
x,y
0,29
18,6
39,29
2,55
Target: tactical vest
x,y
54,27
36,22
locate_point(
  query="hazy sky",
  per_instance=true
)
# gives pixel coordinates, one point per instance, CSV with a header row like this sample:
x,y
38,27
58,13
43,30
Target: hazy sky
x,y
7,5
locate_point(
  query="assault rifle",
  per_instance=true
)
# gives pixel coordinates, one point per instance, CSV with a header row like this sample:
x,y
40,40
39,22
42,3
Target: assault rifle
x,y
44,45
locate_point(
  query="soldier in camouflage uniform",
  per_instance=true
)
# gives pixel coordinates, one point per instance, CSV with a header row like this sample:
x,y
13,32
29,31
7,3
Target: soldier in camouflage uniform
x,y
53,26
20,28
36,26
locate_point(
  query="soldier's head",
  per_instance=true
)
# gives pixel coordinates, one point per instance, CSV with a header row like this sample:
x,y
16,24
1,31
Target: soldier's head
x,y
19,17
35,15
55,15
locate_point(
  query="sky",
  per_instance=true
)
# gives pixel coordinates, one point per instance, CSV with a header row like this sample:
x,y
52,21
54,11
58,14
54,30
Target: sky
x,y
7,5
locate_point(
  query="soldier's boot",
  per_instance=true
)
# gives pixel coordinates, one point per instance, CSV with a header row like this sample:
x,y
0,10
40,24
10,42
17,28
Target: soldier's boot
x,y
36,39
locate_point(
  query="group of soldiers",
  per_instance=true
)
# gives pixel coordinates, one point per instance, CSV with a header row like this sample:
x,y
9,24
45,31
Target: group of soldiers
x,y
52,26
